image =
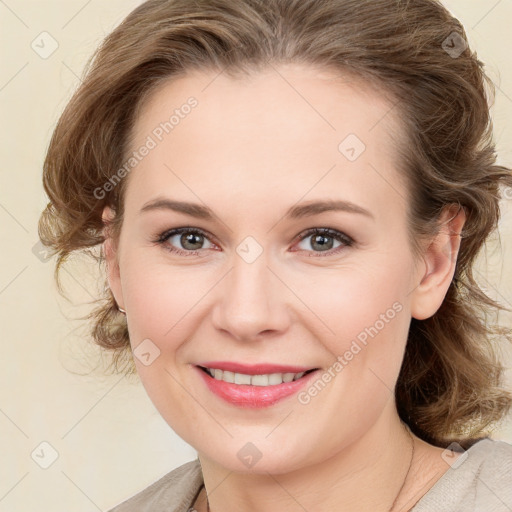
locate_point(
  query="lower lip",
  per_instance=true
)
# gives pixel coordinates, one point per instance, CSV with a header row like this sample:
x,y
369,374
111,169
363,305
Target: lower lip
x,y
255,397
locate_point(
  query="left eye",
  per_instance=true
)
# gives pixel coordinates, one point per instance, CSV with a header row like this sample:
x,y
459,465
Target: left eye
x,y
323,239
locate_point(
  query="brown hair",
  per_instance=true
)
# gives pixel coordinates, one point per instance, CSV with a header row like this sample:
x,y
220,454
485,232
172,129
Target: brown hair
x,y
449,386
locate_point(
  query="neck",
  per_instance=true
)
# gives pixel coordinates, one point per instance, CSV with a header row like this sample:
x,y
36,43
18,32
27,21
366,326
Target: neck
x,y
368,474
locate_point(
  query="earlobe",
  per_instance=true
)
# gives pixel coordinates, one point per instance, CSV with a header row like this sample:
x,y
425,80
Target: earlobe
x,y
111,258
440,260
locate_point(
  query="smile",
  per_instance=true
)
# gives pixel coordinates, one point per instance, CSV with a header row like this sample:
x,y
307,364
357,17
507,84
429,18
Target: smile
x,y
269,379
253,390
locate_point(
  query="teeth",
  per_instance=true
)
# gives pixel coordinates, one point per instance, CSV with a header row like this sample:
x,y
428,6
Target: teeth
x,y
271,379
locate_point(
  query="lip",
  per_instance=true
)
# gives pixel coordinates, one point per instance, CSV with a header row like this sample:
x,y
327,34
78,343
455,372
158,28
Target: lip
x,y
254,397
254,369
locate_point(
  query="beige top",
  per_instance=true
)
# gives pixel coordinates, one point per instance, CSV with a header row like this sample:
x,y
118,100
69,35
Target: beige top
x,y
479,481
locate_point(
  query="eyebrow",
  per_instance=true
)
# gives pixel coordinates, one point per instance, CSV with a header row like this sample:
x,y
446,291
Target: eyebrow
x,y
295,212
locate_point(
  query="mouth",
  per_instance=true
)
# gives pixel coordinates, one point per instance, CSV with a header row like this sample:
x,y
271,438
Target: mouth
x,y
263,380
254,389
254,385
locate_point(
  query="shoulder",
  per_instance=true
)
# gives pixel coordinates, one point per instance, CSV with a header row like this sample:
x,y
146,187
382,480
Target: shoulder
x,y
494,458
174,491
479,479
491,472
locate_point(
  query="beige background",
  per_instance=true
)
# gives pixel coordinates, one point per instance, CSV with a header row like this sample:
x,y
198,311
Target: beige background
x,y
110,440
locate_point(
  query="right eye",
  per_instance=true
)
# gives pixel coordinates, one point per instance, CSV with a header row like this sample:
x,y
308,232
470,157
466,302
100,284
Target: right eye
x,y
185,241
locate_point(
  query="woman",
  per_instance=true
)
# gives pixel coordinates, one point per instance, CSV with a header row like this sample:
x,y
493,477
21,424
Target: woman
x,y
290,196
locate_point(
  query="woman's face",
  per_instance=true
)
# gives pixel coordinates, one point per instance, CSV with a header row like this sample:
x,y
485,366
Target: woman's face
x,y
249,169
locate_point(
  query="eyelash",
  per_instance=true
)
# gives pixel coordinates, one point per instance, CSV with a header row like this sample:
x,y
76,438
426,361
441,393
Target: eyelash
x,y
332,233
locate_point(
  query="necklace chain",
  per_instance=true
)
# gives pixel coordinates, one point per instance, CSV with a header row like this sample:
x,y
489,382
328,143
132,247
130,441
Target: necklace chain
x,y
399,492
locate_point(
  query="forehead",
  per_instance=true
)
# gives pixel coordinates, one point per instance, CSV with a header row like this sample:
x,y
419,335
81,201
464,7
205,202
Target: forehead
x,y
292,129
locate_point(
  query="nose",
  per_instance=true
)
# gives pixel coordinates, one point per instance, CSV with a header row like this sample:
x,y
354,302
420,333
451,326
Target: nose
x,y
251,301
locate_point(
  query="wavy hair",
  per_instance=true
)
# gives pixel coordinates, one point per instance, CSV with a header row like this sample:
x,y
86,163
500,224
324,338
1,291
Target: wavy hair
x,y
417,53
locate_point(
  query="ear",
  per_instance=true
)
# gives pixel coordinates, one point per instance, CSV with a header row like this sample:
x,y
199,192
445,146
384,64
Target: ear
x,y
439,260
110,250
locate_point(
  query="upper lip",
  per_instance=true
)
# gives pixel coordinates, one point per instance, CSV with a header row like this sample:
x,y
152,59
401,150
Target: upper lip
x,y
255,369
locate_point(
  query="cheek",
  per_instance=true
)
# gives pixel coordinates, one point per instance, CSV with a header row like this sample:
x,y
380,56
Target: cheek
x,y
365,308
161,298
353,298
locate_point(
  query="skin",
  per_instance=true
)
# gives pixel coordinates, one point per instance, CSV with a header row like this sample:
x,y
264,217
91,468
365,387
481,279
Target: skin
x,y
252,148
